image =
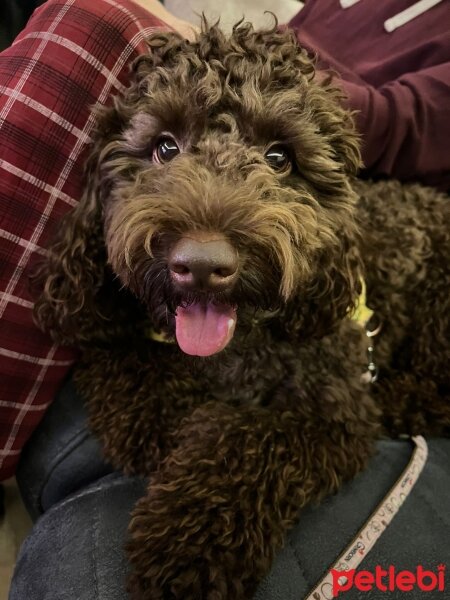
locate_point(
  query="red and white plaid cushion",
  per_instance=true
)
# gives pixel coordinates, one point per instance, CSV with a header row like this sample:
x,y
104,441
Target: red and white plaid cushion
x,y
72,54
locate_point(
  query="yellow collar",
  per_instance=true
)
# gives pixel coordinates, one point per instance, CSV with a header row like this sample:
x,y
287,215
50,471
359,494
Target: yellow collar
x,y
361,314
157,336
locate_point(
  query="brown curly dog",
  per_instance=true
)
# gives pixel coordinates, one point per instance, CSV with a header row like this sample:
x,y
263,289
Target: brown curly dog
x,y
207,276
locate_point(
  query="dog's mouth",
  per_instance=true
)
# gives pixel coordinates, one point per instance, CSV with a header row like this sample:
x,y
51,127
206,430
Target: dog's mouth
x,y
204,322
204,328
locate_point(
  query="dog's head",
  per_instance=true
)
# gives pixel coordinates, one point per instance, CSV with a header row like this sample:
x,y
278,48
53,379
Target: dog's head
x,y
218,192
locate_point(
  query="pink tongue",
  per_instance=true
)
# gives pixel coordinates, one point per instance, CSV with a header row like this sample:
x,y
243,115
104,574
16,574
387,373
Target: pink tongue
x,y
204,329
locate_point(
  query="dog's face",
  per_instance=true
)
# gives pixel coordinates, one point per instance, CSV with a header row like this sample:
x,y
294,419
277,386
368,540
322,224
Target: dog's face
x,y
222,177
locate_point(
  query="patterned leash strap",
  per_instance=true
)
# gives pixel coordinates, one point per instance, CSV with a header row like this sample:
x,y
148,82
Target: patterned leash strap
x,y
376,524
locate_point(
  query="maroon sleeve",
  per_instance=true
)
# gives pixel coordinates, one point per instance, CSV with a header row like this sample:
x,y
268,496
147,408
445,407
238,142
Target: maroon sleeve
x,y
71,55
406,125
399,82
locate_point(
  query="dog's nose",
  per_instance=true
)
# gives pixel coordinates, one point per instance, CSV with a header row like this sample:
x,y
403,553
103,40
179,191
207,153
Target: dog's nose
x,y
203,264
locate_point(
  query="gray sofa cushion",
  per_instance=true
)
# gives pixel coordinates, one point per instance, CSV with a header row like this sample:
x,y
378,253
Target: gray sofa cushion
x,y
61,457
75,551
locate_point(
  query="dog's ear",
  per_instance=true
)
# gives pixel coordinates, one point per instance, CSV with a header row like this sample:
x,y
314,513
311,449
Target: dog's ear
x,y
72,274
78,300
327,299
336,122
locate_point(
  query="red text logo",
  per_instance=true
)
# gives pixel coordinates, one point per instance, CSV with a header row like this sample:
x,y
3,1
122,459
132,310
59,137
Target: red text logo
x,y
388,580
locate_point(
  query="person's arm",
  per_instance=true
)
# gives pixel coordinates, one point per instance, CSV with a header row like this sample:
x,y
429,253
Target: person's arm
x,y
405,125
399,81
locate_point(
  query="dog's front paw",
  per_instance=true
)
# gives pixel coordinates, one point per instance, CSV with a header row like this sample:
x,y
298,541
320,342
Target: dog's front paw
x,y
186,552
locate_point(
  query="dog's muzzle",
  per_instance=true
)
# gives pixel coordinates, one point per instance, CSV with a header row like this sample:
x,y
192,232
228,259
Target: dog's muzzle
x,y
207,263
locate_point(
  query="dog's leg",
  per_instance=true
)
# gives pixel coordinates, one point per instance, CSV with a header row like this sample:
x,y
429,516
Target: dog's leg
x,y
128,408
220,506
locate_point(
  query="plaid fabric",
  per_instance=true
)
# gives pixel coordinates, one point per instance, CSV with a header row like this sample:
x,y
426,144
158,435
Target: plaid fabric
x,y
72,54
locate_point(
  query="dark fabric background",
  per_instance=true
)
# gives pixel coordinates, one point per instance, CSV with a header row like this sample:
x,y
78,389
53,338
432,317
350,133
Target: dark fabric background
x,y
13,16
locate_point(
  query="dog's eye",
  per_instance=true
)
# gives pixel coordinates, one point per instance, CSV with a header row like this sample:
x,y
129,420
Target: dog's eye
x,y
278,158
166,149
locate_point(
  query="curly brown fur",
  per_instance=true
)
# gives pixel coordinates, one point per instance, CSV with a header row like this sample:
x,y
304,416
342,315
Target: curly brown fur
x,y
237,443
